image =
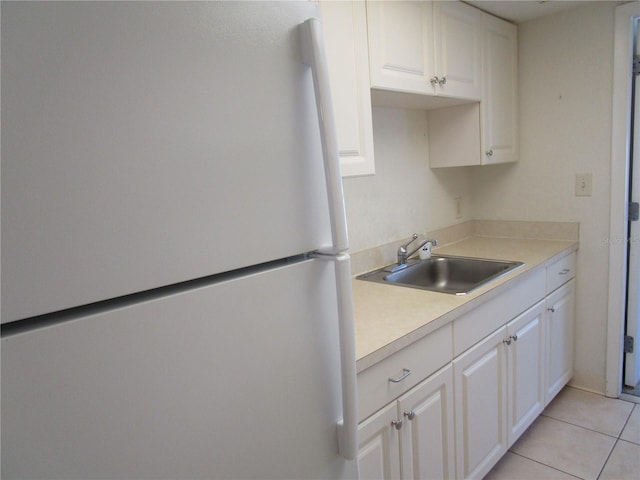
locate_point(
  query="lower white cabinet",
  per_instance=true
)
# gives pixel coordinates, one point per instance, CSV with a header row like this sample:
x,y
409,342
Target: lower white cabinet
x,y
412,438
480,377
500,391
379,445
462,419
527,357
560,320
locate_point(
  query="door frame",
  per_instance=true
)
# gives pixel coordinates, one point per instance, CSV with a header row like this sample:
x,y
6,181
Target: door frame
x,y
621,133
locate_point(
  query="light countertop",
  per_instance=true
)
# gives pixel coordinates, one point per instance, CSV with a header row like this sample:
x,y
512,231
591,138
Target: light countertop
x,y
389,317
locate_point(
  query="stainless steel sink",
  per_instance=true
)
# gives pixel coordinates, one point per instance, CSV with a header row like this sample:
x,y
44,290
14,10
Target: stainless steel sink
x,y
443,273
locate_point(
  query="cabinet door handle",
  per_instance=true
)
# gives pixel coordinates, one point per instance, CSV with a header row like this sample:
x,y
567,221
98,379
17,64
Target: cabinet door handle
x,y
405,373
410,415
564,271
514,338
552,309
397,424
489,153
507,341
434,80
442,81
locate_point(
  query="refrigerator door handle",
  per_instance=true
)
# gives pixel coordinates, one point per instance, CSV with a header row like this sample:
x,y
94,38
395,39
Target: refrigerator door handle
x,y
314,55
348,425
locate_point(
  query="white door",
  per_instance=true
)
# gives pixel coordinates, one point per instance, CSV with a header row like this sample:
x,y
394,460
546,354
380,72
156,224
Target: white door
x,y
499,106
560,338
237,379
458,49
400,46
427,443
526,354
345,33
148,143
480,377
632,360
379,446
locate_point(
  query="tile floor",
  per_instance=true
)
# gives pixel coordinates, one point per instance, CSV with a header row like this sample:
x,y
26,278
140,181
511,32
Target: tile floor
x,y
579,435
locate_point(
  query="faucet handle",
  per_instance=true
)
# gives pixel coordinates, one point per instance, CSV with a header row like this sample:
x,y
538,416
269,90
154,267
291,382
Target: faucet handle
x,y
405,245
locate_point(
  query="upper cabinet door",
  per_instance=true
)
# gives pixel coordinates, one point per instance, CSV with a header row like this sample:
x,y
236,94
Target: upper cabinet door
x,y
345,29
429,48
400,46
499,108
458,49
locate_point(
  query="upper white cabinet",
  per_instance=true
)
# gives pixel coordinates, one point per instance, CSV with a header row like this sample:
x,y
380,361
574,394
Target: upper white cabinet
x,y
485,132
431,48
457,32
499,106
345,31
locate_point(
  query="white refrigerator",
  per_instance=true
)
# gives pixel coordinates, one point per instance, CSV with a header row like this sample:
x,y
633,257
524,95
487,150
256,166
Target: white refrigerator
x,y
176,296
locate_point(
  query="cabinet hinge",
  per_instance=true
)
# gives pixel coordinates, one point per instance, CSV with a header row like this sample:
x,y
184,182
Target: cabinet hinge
x,y
636,65
628,344
634,212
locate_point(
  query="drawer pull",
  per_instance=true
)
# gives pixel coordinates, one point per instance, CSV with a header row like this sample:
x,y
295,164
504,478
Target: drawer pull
x,y
405,373
564,271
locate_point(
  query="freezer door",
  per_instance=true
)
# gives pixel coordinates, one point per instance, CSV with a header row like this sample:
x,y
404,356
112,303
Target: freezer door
x,y
234,380
147,143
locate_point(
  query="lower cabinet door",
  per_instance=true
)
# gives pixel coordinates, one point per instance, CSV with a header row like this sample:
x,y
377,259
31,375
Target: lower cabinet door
x,y
480,377
379,449
426,438
526,361
560,320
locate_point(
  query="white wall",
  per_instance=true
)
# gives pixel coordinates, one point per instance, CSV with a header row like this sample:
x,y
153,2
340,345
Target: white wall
x,y
405,195
565,75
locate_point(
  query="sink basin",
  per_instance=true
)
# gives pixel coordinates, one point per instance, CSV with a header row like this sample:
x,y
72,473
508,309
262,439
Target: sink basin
x,y
443,273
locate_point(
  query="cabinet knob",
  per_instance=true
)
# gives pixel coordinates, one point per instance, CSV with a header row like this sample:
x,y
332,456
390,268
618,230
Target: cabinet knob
x,y
434,80
489,153
397,424
507,341
410,415
442,81
514,338
552,309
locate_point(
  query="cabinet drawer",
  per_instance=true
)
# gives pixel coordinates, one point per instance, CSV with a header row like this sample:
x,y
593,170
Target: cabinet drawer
x,y
561,272
488,317
422,358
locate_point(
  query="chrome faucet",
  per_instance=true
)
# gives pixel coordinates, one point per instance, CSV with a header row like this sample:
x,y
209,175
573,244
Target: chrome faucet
x,y
402,249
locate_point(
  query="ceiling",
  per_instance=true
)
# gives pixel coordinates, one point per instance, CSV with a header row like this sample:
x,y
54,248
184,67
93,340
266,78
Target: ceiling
x,y
519,11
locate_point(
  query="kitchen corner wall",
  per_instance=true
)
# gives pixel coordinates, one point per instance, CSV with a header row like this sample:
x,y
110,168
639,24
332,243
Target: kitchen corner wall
x,y
565,84
405,195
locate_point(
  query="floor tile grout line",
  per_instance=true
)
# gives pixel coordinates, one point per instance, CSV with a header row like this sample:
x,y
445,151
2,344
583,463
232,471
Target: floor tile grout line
x,y
626,422
608,457
548,466
585,428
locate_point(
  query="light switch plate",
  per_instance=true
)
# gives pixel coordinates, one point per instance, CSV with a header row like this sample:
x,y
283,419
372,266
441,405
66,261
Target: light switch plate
x,y
583,184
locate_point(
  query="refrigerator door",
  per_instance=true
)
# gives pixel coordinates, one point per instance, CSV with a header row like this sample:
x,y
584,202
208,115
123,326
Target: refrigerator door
x,y
148,143
238,379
